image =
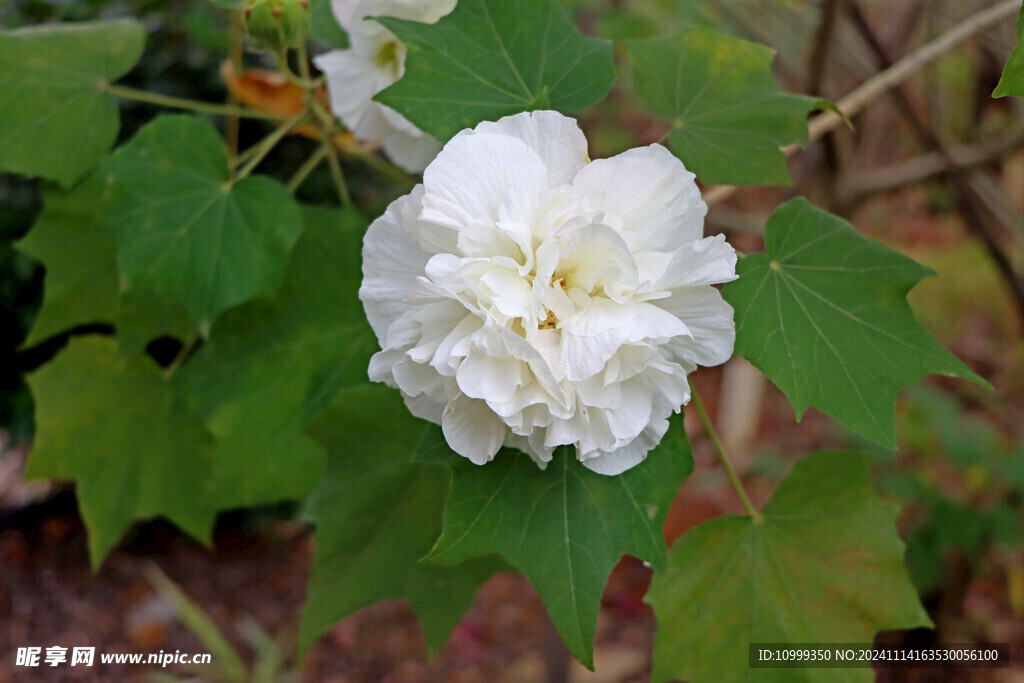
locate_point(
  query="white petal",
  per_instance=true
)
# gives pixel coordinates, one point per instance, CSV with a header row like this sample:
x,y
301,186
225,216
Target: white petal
x,y
489,378
650,191
633,411
472,430
595,255
473,179
555,138
411,152
392,259
710,321
630,455
710,261
424,407
352,80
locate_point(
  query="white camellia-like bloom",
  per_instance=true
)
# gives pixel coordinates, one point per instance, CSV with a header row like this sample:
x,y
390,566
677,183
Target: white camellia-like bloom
x,y
374,60
525,296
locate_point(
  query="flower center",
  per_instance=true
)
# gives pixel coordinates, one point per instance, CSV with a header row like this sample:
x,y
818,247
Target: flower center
x,y
387,57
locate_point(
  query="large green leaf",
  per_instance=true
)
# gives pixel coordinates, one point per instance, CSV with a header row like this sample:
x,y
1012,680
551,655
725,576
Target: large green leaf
x,y
491,58
728,117
824,314
186,232
56,121
1012,80
111,426
824,565
376,515
271,364
80,257
565,527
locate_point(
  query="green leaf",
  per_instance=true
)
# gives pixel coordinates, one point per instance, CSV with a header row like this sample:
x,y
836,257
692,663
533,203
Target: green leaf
x,y
111,425
186,232
823,313
491,58
324,26
1012,80
728,117
376,514
565,527
56,121
269,365
80,256
824,565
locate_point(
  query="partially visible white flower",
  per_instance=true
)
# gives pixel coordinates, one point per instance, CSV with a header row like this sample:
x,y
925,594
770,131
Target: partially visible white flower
x,y
374,60
526,297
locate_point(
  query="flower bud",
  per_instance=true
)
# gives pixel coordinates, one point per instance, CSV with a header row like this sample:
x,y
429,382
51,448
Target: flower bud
x,y
277,24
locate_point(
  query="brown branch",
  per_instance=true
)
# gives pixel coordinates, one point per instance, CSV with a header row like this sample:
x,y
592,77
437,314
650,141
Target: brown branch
x,y
982,214
888,78
927,167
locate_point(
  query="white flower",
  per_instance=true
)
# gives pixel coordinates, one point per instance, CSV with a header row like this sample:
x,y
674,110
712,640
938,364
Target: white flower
x,y
525,297
374,60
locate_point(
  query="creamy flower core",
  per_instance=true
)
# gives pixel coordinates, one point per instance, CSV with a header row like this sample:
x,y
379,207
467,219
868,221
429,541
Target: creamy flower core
x,y
525,297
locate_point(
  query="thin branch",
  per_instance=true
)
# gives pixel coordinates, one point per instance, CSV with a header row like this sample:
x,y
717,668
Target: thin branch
x,y
928,166
982,214
312,162
187,104
894,75
723,458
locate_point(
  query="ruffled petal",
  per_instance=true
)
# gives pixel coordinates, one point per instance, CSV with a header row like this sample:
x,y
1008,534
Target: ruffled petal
x,y
650,192
555,138
479,180
472,430
710,321
392,260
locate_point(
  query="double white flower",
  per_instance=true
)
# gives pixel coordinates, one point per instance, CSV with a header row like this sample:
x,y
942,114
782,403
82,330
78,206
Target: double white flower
x,y
526,297
374,60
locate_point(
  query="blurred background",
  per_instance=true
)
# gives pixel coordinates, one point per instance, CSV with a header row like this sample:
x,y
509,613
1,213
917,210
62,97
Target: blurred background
x,y
933,168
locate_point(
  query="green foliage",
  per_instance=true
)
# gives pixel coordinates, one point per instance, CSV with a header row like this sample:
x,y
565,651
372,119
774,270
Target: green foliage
x,y
491,58
565,527
270,365
823,313
728,117
1012,80
376,515
824,565
324,26
185,231
111,425
55,119
79,253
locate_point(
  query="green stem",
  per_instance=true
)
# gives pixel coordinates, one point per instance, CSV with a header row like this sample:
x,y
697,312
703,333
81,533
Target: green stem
x,y
384,168
303,82
339,177
183,355
187,104
264,146
312,162
720,451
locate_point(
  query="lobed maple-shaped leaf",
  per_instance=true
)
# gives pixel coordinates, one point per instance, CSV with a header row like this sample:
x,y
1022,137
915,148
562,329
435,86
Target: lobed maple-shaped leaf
x,y
823,565
376,515
1012,80
492,58
110,424
56,120
729,119
823,313
271,364
565,527
185,231
79,253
